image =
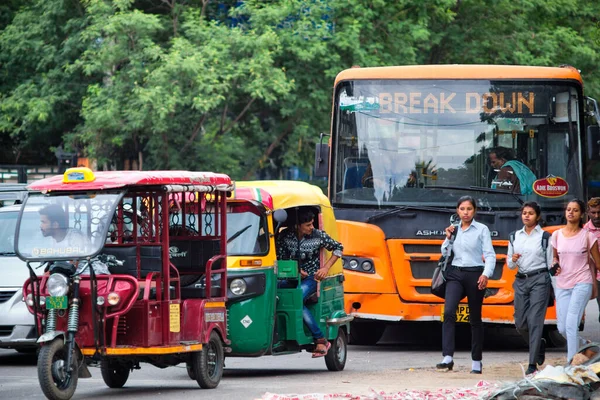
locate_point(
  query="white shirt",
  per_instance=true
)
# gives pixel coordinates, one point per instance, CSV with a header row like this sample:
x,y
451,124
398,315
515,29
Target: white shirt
x,y
472,247
530,249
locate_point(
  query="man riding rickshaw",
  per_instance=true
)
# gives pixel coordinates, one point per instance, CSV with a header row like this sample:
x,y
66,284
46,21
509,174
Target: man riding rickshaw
x,y
123,271
266,303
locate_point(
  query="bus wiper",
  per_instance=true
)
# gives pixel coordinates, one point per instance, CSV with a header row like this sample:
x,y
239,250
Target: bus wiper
x,y
7,253
478,189
238,233
398,209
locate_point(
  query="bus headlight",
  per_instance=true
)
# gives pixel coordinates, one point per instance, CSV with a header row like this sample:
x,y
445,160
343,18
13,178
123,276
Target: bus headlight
x,y
58,285
353,264
366,266
237,287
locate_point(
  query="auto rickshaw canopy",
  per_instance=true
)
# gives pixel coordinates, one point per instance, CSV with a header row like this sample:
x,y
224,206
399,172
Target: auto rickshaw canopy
x,y
281,194
82,179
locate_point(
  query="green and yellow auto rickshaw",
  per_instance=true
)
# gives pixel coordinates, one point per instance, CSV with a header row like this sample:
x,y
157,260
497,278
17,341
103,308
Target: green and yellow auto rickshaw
x,y
262,318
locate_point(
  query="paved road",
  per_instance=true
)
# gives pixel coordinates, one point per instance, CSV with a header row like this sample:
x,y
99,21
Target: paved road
x,y
251,378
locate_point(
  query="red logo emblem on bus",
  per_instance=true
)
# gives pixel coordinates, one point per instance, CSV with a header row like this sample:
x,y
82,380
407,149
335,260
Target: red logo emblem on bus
x,y
552,186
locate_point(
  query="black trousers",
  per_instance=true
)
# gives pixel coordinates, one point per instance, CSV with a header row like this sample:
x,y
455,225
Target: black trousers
x,y
531,302
458,285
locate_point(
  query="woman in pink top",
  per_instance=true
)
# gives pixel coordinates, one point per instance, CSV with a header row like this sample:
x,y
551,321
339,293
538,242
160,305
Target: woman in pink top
x,y
572,248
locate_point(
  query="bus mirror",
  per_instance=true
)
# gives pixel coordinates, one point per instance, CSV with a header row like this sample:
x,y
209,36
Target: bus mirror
x,y
593,142
321,160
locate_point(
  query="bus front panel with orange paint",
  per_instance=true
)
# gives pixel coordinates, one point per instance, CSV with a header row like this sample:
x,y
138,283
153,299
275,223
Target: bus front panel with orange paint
x,y
408,142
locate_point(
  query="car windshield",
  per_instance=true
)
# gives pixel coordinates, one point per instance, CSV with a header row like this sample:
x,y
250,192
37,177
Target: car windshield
x,y
426,142
8,224
64,227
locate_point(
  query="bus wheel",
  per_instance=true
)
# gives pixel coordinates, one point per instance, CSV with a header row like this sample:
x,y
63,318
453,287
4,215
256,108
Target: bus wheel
x,y
208,363
553,337
336,357
366,333
115,375
52,371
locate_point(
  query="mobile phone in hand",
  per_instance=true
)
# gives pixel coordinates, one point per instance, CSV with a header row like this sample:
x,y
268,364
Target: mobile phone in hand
x,y
554,268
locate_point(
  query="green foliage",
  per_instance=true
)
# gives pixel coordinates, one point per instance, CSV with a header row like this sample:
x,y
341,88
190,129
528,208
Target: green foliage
x,y
182,84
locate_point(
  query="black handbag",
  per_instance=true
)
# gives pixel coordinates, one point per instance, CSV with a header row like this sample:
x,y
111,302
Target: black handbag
x,y
438,280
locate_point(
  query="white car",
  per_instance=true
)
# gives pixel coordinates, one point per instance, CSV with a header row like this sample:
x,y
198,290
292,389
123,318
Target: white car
x,y
17,327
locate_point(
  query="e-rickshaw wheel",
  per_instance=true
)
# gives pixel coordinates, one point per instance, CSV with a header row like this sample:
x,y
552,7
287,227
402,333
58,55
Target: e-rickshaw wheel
x,y
209,362
115,375
190,370
336,357
52,372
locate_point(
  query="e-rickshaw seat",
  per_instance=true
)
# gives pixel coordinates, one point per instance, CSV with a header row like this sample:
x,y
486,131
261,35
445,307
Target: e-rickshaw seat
x,y
150,259
191,256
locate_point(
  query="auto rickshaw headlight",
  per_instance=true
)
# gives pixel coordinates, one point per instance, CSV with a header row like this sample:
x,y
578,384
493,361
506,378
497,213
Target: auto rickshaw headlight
x,y
237,287
58,285
100,300
113,298
29,300
366,266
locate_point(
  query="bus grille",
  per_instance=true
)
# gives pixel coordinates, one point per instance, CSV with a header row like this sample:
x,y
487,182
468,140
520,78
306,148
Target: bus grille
x,y
435,248
424,269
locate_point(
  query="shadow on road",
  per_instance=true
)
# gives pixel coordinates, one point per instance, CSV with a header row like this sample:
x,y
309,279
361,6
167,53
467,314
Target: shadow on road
x,y
11,357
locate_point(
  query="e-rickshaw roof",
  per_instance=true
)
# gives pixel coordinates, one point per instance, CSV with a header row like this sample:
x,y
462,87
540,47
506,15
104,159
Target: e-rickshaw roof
x,y
457,71
103,180
281,194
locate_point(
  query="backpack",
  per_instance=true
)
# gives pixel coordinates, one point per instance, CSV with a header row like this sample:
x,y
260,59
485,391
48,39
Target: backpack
x,y
545,240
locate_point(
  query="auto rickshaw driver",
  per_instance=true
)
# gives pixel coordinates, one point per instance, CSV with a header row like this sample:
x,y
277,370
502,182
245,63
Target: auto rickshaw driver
x,y
304,243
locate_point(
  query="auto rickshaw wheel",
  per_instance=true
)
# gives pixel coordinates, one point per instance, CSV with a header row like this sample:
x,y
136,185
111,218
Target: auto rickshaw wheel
x,y
209,362
52,372
336,357
115,375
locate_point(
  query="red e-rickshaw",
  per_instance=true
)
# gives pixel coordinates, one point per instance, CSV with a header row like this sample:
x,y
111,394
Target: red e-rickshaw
x,y
130,274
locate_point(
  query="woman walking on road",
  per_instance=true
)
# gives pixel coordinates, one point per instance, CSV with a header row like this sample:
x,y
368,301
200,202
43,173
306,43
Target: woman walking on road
x,y
575,276
529,252
468,276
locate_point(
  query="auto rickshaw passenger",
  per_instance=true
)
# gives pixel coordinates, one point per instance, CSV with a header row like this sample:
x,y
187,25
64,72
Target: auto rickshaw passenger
x,y
304,243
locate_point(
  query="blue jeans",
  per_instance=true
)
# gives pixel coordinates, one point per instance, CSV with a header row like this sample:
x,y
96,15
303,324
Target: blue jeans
x,y
570,305
308,286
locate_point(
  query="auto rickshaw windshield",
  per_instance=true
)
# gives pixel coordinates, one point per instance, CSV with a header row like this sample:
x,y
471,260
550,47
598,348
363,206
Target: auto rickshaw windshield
x,y
64,227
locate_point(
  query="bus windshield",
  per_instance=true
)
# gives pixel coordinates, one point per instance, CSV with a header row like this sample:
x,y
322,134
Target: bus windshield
x,y
423,142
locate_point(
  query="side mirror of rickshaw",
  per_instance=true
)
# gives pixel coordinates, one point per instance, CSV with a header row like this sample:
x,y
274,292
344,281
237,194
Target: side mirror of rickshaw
x,y
280,216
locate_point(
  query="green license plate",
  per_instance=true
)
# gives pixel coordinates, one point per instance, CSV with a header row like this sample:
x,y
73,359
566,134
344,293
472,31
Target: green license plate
x,y
56,302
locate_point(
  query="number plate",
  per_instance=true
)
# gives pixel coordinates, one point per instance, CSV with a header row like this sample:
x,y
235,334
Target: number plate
x,y
56,302
462,313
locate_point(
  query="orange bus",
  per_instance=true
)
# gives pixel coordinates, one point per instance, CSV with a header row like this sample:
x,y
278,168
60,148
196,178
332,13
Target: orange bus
x,y
406,142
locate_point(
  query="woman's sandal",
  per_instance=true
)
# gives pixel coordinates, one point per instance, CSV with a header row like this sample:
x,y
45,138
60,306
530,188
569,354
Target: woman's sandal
x,y
321,352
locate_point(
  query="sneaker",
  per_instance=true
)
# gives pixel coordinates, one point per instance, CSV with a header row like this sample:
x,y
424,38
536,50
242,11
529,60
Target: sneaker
x,y
531,369
541,358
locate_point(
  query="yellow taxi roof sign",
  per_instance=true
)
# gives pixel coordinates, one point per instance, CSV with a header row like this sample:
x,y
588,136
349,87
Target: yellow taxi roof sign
x,y
78,175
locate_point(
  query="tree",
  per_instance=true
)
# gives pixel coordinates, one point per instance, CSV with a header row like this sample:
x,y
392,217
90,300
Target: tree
x,y
241,87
